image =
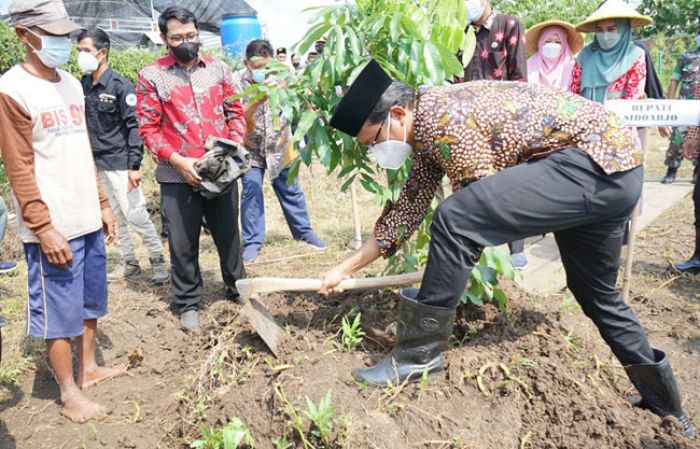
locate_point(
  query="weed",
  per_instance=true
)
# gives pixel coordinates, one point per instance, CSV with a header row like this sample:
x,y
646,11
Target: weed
x,y
471,333
527,362
282,442
322,417
390,389
234,434
571,342
295,419
569,303
362,386
219,370
200,409
352,334
248,352
424,380
321,420
329,323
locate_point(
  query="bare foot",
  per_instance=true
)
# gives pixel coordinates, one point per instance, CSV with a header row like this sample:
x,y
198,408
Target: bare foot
x,y
80,409
90,378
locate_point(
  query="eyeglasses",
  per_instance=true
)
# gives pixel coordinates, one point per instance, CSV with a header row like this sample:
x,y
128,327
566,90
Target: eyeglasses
x,y
178,39
379,131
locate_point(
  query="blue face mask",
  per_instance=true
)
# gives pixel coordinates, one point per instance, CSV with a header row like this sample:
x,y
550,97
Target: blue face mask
x,y
697,41
607,39
55,50
258,76
474,10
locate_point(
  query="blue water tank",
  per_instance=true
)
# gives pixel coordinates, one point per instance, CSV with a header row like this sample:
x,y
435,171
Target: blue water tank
x,y
237,31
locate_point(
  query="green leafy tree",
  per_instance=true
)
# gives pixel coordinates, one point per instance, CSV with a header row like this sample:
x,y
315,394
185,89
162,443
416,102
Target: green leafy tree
x,y
671,18
11,49
416,42
532,12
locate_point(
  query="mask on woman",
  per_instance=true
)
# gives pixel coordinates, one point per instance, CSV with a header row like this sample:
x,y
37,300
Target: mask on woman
x,y
551,50
697,41
55,50
391,154
607,39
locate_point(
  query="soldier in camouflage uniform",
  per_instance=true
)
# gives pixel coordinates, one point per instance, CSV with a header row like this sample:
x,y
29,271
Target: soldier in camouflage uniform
x,y
687,74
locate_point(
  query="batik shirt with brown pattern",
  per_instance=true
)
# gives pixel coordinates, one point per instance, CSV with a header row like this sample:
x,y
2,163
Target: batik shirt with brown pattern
x,y
473,130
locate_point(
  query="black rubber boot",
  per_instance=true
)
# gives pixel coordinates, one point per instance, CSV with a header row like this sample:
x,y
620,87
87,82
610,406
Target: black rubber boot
x,y
692,266
657,386
421,335
670,176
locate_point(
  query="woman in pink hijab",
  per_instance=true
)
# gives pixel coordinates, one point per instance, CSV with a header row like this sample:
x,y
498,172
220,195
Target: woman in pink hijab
x,y
552,45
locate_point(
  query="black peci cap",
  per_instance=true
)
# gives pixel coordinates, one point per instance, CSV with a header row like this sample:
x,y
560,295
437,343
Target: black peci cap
x,y
360,99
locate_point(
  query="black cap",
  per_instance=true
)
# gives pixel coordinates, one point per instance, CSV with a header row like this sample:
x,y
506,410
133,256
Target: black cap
x,y
360,99
281,50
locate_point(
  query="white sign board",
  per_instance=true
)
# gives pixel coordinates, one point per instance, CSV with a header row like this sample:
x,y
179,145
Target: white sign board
x,y
653,113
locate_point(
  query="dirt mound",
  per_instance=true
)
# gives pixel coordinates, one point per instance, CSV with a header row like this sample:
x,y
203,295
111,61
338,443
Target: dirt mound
x,y
538,378
519,381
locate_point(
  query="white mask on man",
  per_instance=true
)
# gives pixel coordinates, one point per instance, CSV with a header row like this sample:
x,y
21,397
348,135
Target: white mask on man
x,y
87,62
391,154
474,10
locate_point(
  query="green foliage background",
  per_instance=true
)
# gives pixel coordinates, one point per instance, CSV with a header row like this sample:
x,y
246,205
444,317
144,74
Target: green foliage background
x,y
532,12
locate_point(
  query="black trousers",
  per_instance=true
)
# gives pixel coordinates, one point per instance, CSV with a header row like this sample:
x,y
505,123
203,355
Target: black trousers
x,y
183,209
565,193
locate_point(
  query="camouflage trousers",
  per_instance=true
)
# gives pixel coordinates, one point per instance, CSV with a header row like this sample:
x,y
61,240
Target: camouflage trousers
x,y
674,153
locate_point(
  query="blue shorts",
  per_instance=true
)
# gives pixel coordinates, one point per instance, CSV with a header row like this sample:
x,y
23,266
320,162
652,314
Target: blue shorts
x,y
60,300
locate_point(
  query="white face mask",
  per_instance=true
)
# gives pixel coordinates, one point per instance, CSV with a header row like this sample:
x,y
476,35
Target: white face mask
x,y
391,154
87,62
607,39
474,10
55,50
551,50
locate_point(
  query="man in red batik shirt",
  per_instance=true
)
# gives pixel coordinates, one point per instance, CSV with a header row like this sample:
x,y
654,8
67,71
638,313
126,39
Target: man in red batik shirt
x,y
183,99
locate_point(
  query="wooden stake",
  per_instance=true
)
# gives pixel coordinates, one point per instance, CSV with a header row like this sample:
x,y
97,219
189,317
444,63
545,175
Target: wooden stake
x,y
632,239
357,242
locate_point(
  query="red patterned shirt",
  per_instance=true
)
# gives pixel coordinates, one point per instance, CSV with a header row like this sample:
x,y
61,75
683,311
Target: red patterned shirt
x,y
179,108
629,86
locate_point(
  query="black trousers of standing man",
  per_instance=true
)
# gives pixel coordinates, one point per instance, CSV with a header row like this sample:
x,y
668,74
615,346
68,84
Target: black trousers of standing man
x,y
183,209
565,193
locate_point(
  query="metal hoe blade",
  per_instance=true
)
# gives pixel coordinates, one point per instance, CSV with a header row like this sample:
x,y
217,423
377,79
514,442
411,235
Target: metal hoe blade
x,y
264,323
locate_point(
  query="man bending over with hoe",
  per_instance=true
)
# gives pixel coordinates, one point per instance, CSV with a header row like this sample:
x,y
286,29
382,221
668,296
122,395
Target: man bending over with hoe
x,y
524,160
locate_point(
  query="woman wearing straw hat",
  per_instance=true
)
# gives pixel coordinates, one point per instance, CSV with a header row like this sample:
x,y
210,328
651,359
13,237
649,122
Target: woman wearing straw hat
x,y
552,45
612,66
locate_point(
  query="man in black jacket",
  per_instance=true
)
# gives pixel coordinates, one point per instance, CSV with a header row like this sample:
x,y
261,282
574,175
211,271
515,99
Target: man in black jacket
x,y
110,110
